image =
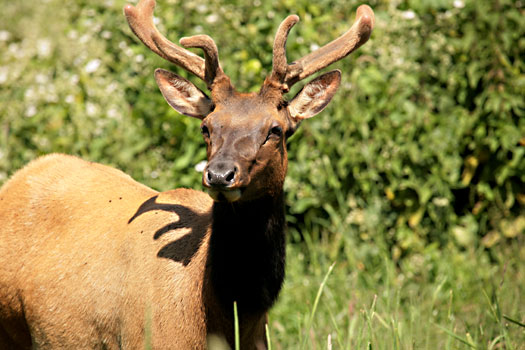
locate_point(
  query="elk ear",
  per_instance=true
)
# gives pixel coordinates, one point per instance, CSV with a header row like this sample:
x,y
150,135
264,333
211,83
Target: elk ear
x,y
183,95
314,96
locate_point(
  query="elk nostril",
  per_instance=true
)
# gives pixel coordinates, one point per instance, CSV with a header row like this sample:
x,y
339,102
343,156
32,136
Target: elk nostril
x,y
208,175
230,176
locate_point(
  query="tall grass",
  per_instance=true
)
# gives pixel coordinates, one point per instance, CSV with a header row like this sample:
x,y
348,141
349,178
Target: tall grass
x,y
444,300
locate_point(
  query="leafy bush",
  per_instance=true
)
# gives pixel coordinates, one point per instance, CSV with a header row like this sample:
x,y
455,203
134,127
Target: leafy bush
x,y
423,144
426,140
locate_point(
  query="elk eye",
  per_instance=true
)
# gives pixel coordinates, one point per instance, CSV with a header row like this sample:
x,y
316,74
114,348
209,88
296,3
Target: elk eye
x,y
275,133
276,130
205,132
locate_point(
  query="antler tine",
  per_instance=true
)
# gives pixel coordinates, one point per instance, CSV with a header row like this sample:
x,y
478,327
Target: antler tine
x,y
140,19
213,68
280,65
356,36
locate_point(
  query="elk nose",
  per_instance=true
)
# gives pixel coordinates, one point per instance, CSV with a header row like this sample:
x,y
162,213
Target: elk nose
x,y
220,174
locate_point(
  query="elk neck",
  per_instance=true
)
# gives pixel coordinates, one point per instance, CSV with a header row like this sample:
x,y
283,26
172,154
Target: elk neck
x,y
247,253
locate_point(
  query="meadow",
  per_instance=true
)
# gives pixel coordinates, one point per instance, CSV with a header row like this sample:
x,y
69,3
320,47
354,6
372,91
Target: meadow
x,y
405,197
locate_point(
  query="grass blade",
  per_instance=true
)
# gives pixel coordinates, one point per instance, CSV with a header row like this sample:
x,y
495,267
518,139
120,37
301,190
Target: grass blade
x,y
457,337
316,302
268,340
514,321
236,326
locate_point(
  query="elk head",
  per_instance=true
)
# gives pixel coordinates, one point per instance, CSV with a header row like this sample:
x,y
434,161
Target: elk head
x,y
246,132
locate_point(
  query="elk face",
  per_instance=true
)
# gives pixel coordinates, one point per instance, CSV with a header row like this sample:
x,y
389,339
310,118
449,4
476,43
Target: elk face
x,y
246,149
246,133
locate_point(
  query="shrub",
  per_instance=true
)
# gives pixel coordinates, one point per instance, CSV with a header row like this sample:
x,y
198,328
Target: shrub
x,y
424,142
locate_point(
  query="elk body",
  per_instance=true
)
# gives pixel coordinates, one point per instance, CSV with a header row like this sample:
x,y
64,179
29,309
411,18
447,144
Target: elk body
x,y
91,259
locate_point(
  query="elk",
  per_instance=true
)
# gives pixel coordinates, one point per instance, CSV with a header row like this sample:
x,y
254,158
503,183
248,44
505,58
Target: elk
x,y
91,259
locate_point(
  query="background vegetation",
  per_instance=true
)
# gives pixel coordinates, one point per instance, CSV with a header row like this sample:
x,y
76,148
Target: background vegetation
x,y
411,181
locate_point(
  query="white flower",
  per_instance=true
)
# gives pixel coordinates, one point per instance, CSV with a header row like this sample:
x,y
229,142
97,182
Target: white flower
x,y
30,111
200,166
43,47
91,109
202,8
70,99
408,14
212,18
41,78
459,4
4,35
4,74
92,65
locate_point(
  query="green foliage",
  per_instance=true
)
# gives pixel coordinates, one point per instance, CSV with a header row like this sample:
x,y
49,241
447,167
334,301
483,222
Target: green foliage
x,y
423,143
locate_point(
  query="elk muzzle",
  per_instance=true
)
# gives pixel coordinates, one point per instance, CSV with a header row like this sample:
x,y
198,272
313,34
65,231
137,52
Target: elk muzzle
x,y
221,177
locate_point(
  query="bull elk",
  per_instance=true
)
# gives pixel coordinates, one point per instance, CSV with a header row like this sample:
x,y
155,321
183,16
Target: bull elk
x,y
91,259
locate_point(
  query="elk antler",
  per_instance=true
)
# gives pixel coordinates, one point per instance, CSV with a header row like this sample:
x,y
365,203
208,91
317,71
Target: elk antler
x,y
285,75
213,71
140,19
280,65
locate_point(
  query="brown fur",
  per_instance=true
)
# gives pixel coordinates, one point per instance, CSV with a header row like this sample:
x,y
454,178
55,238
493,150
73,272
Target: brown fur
x,y
75,274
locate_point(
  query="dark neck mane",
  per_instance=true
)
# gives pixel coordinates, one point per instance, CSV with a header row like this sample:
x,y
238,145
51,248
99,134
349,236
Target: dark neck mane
x,y
247,253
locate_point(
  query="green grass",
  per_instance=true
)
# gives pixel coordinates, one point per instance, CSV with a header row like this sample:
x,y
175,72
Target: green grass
x,y
236,326
446,299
